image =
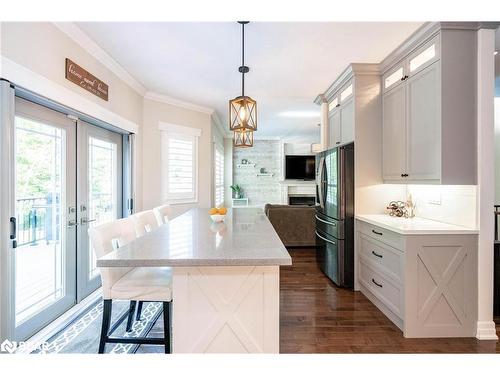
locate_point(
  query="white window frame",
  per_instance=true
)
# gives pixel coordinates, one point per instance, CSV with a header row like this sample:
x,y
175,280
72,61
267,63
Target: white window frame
x,y
220,149
185,133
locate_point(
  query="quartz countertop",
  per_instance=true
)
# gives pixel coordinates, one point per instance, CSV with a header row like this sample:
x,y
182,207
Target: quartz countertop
x,y
245,238
414,226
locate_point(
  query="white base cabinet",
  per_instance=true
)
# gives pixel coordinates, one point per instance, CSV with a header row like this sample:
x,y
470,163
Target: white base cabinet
x,y
425,284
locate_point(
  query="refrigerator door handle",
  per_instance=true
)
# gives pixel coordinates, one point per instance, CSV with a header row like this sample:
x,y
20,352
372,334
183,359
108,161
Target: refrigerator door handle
x,y
320,182
326,222
325,239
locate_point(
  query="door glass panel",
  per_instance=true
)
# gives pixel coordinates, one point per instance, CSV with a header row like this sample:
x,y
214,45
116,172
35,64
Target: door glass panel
x,y
333,103
40,193
102,188
393,78
346,93
423,57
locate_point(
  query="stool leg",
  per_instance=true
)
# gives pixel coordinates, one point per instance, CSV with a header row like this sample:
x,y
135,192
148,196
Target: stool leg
x,y
131,311
106,319
166,326
139,310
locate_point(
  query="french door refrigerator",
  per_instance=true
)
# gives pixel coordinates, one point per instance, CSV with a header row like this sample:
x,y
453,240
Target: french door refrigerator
x,y
335,214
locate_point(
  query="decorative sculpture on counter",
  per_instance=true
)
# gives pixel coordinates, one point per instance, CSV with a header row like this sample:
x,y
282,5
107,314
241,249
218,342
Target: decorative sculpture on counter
x,y
397,208
402,209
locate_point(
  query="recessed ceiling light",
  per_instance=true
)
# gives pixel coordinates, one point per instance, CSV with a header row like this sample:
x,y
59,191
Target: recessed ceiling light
x,y
303,114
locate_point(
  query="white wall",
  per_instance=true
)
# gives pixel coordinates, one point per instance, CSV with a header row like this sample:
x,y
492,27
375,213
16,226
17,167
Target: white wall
x,y
154,112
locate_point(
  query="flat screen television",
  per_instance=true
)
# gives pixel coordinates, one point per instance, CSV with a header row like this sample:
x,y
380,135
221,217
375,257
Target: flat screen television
x,y
300,167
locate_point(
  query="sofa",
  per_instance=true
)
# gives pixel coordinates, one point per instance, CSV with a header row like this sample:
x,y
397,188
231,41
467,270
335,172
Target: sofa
x,y
295,225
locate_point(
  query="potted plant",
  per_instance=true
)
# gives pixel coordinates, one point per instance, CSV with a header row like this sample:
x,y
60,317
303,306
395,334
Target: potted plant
x,y
238,192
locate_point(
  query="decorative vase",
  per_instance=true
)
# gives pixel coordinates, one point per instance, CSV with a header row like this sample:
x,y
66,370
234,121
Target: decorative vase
x,y
237,195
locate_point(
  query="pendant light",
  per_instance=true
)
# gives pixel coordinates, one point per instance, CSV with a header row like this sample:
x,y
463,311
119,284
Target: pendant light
x,y
243,138
243,109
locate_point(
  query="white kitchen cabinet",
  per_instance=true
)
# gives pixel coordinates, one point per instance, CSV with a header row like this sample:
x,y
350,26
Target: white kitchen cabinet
x,y
347,121
334,129
341,117
423,125
394,134
428,97
423,281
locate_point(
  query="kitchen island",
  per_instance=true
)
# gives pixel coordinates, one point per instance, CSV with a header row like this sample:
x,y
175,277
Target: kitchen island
x,y
225,279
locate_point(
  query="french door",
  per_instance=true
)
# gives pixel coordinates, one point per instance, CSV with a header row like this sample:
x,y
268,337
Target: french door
x,y
67,178
99,166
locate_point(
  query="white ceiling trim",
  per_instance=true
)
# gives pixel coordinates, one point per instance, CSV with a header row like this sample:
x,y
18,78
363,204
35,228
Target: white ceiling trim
x,y
75,33
177,102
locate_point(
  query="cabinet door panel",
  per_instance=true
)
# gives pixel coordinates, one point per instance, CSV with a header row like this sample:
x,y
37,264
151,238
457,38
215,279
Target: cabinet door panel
x,y
394,134
334,128
347,121
424,125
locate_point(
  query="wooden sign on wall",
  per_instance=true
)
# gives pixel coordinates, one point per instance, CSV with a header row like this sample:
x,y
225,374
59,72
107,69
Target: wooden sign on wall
x,y
76,74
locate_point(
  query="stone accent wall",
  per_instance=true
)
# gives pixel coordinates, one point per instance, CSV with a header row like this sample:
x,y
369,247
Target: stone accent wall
x,y
259,189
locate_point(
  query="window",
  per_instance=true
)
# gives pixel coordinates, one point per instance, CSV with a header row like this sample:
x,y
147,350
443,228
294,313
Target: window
x,y
179,163
219,176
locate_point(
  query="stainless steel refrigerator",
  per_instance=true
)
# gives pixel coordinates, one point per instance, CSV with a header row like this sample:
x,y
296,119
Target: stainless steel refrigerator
x,y
335,214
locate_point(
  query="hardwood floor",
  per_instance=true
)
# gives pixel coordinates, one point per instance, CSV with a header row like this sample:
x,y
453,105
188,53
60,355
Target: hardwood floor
x,y
318,317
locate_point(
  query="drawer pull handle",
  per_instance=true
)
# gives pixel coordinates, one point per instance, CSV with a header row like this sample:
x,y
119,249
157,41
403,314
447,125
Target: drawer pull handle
x,y
377,284
377,255
379,233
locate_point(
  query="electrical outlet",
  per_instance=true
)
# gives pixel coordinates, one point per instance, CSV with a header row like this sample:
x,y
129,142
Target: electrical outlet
x,y
436,200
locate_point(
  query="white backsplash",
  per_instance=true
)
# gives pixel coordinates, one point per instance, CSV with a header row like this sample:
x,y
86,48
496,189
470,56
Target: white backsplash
x,y
453,204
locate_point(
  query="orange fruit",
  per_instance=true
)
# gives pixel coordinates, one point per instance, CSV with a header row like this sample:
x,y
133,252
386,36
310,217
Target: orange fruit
x,y
213,211
223,210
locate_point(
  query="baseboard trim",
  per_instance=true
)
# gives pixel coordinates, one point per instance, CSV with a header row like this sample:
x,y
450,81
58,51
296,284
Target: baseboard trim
x,y
486,330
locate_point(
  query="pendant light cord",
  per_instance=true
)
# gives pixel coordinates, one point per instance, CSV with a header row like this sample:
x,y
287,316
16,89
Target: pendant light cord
x,y
243,59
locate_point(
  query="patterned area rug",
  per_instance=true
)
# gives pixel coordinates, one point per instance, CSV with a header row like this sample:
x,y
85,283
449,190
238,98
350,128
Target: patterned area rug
x,y
82,335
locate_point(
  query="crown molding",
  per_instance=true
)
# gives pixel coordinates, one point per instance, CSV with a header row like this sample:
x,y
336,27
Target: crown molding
x,y
82,39
177,102
218,123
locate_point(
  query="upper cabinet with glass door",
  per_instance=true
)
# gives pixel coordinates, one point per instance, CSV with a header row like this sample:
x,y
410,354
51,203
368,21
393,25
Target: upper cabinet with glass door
x,y
341,116
428,87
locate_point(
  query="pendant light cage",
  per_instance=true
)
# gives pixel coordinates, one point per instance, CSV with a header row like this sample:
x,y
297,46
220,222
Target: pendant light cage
x,y
243,138
243,114
243,109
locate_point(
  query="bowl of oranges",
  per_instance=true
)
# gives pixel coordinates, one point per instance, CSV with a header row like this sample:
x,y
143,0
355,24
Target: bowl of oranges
x,y
218,214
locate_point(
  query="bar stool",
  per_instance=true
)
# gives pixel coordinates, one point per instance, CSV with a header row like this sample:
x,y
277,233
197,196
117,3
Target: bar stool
x,y
143,284
163,213
144,222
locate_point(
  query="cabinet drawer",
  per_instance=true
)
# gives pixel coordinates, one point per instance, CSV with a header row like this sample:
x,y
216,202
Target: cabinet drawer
x,y
387,259
388,292
383,235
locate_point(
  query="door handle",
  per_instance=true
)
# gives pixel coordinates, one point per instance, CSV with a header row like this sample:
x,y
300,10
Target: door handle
x,y
84,221
72,223
13,231
325,239
324,221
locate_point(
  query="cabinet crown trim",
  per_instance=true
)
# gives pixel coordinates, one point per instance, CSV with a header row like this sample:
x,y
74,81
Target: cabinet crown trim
x,y
351,70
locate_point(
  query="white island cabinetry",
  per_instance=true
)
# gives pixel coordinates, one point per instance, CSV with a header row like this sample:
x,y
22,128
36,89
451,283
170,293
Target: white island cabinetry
x,y
225,279
420,273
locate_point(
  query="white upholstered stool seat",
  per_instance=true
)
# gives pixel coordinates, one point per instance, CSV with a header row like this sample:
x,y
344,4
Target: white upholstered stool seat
x,y
143,284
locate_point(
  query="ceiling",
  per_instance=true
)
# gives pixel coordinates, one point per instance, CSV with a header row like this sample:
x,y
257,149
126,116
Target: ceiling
x,y
290,63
